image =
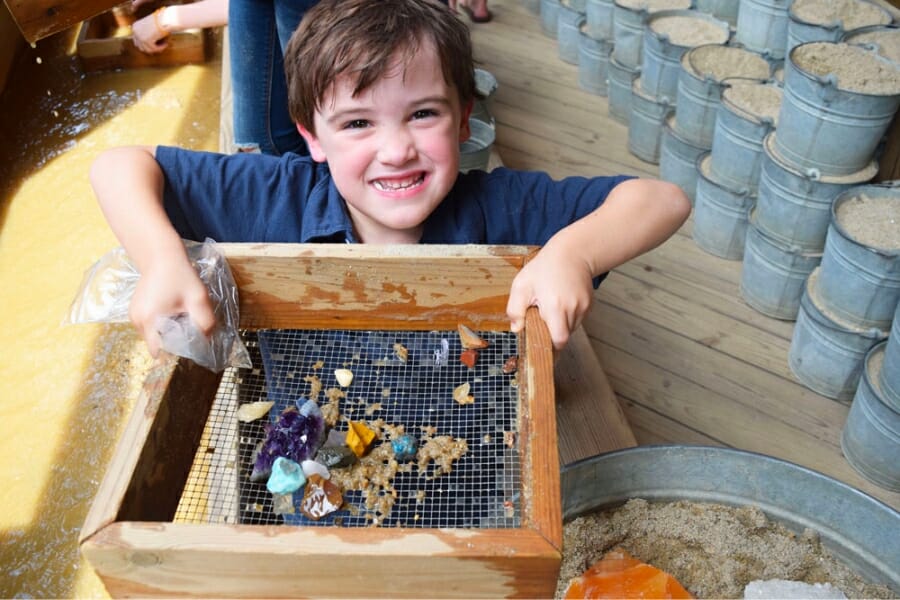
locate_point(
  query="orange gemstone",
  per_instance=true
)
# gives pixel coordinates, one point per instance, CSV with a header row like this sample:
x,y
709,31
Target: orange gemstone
x,y
620,575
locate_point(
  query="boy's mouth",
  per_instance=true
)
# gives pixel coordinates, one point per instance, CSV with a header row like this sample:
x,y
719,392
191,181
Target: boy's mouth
x,y
399,184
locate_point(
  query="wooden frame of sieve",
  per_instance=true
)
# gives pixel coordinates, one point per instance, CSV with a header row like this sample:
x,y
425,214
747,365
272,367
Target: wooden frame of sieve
x,y
129,536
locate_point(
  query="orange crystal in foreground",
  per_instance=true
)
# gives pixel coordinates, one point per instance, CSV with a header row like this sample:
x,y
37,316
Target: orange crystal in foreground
x,y
620,575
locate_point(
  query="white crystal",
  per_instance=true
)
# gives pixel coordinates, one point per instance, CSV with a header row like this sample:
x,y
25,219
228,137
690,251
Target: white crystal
x,y
791,590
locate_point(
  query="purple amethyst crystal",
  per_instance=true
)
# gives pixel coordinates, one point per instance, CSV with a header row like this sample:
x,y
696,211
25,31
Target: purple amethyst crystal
x,y
296,434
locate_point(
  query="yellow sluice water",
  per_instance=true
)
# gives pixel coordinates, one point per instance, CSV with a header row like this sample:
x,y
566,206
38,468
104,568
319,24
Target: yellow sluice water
x,y
66,391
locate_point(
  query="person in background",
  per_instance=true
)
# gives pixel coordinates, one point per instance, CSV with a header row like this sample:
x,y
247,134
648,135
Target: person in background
x,y
476,9
381,90
259,31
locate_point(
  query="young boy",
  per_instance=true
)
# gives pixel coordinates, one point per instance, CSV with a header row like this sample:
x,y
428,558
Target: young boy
x,y
381,91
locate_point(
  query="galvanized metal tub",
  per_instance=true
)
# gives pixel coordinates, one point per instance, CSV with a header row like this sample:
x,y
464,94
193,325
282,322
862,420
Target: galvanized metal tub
x,y
762,26
485,87
737,145
825,126
661,57
727,10
827,353
794,204
593,62
599,14
646,122
568,30
889,380
700,87
883,39
475,153
550,17
871,436
773,276
621,81
678,159
628,34
721,214
859,282
855,527
801,30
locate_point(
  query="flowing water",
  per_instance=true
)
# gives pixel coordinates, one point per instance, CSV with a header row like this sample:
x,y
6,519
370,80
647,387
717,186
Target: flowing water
x,y
66,390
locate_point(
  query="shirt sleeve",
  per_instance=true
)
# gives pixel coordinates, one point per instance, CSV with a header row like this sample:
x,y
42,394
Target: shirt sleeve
x,y
232,197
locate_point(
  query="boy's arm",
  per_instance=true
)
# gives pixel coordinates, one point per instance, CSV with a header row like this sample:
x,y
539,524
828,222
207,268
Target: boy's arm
x,y
128,184
637,216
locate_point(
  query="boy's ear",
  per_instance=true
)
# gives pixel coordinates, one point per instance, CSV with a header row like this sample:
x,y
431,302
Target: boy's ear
x,y
312,142
465,132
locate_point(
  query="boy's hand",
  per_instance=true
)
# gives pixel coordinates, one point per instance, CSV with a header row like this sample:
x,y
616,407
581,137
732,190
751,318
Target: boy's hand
x,y
147,36
166,291
559,285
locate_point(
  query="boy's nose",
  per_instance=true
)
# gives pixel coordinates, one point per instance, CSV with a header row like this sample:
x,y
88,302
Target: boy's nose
x,y
397,147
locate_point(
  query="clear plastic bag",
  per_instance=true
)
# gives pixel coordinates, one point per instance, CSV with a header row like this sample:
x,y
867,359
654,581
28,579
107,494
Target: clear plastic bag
x,y
105,295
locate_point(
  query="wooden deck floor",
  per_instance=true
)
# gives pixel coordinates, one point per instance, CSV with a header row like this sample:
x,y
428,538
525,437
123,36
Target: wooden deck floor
x,y
690,362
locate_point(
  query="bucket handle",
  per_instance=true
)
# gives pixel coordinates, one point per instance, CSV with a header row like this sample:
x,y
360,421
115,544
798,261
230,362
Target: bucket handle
x,y
828,89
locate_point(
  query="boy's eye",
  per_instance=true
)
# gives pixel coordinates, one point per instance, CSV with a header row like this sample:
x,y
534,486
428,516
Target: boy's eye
x,y
356,124
424,113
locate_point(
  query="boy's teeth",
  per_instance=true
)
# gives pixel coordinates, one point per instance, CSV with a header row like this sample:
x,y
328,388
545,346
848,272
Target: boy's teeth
x,y
396,184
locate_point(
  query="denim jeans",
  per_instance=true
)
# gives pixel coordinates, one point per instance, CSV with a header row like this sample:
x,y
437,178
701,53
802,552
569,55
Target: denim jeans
x,y
258,32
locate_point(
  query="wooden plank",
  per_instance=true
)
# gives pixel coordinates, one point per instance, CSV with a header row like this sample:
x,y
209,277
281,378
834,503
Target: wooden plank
x,y
589,418
361,286
38,19
148,470
540,465
244,561
99,48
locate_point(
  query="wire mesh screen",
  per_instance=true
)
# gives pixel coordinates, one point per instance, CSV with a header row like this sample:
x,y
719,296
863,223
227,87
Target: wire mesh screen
x,y
466,472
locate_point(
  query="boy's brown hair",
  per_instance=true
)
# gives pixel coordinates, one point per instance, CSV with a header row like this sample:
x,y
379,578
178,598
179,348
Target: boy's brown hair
x,y
360,37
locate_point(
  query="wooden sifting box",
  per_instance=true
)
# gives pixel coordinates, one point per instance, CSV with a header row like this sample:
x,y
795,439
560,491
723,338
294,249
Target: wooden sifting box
x,y
103,44
136,547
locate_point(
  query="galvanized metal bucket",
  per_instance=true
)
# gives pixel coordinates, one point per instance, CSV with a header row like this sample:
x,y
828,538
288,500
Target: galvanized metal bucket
x,y
824,127
860,283
646,122
737,146
889,381
726,10
773,276
599,14
871,435
661,58
721,214
699,92
883,39
801,31
794,205
475,153
485,86
855,527
550,18
593,62
628,34
762,26
826,354
568,32
678,159
621,82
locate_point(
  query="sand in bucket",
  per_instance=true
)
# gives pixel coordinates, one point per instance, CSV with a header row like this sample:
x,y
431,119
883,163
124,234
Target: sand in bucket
x,y
705,72
747,113
827,20
882,39
839,100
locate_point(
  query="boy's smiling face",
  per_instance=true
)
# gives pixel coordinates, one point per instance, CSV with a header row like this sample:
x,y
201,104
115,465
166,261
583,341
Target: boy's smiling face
x,y
393,150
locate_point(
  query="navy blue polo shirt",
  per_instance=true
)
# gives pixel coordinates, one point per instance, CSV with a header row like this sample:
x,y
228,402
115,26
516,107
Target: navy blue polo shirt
x,y
260,198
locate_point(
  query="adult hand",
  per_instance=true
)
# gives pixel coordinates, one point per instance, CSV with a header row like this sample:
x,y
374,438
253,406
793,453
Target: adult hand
x,y
148,36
